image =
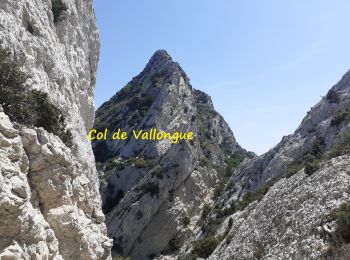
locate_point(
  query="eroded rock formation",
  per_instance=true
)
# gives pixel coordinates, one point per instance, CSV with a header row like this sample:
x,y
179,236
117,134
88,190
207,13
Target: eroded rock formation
x,y
50,206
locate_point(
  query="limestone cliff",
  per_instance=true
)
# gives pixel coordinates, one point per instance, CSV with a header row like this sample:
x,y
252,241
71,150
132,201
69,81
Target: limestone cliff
x,y
292,202
154,191
49,205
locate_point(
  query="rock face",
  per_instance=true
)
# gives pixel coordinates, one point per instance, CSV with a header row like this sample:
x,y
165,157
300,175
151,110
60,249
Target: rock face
x,y
154,191
289,203
320,131
50,206
290,222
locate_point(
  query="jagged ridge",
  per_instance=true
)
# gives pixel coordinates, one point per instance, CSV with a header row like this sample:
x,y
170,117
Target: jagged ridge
x,y
281,204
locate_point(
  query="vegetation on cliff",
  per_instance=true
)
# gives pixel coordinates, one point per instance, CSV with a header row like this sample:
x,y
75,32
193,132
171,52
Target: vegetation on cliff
x,y
28,106
57,8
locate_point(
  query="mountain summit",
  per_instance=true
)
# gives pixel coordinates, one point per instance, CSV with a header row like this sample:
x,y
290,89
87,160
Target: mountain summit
x,y
154,192
160,63
161,60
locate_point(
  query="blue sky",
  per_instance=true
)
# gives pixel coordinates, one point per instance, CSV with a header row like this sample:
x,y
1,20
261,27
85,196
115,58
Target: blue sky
x,y
265,63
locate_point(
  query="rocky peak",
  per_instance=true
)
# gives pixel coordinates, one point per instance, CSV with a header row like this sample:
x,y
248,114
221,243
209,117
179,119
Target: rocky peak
x,y
161,61
160,56
153,181
161,65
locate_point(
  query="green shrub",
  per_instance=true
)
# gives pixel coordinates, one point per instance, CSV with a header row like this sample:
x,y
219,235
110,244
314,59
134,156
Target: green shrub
x,y
147,100
232,163
310,161
139,215
12,78
138,104
340,118
151,188
171,197
57,8
158,172
342,147
112,163
204,162
249,197
135,118
332,96
312,167
127,91
142,163
342,218
211,226
28,107
311,130
205,247
230,223
205,212
259,252
175,244
186,221
235,160
218,190
293,169
317,148
134,103
158,78
229,238
142,104
220,213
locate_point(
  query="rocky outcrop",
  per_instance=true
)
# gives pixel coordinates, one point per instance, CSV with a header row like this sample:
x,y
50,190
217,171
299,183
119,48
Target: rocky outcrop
x,y
292,220
24,231
154,191
50,206
46,199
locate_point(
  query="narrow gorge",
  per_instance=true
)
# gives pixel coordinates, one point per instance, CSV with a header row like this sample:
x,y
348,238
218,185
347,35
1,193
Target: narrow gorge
x,y
64,197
